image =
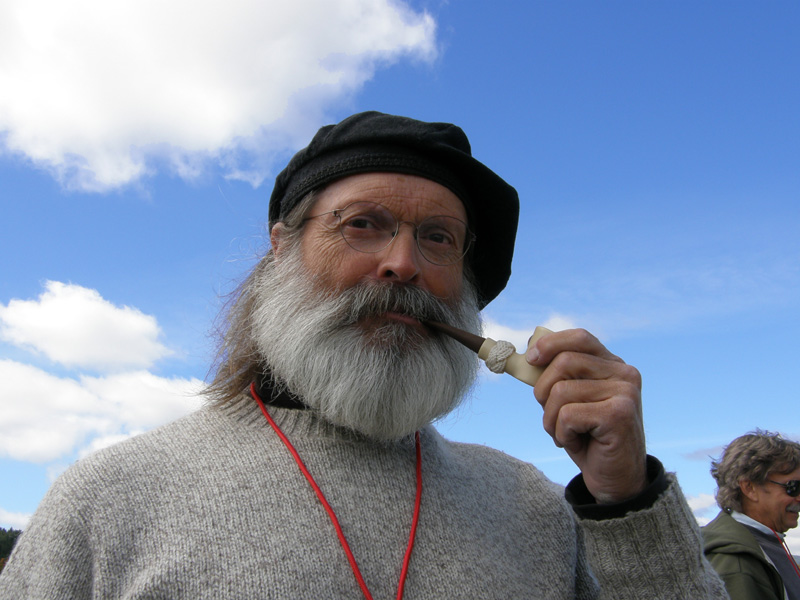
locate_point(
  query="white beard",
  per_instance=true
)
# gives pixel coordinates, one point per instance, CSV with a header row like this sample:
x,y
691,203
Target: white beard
x,y
384,384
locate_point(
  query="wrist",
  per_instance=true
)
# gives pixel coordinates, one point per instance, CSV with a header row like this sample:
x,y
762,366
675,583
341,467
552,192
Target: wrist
x,y
587,506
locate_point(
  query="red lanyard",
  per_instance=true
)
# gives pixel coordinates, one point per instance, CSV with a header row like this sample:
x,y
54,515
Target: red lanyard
x,y
340,534
786,550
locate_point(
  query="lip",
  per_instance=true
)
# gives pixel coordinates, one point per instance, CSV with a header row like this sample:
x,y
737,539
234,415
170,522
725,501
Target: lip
x,y
403,318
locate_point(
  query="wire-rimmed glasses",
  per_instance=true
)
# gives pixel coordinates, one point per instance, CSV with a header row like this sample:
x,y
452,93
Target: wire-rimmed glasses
x,y
370,227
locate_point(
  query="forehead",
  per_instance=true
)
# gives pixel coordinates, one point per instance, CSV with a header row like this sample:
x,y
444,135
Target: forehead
x,y
789,476
407,196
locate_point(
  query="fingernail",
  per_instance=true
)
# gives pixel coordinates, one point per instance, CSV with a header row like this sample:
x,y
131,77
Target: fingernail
x,y
532,354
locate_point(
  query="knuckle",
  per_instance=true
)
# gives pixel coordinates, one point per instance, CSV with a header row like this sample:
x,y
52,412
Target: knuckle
x,y
549,424
631,374
562,360
623,409
541,391
618,410
559,389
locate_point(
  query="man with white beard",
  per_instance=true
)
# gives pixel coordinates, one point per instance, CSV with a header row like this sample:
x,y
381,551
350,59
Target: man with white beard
x,y
407,378
315,472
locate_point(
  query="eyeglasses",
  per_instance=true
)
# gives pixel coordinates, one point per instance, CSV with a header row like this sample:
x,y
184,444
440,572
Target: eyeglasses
x,y
792,487
370,227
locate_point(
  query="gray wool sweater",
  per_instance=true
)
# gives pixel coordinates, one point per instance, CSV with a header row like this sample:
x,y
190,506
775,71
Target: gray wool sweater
x,y
213,506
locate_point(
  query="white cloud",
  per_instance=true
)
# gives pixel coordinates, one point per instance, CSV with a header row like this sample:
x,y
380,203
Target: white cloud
x,y
44,417
104,442
496,331
53,471
701,502
519,337
556,322
703,507
14,520
704,454
142,400
76,327
793,541
96,90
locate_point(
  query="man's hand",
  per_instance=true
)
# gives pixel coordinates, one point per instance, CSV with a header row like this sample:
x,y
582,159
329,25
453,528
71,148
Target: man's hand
x,y
593,409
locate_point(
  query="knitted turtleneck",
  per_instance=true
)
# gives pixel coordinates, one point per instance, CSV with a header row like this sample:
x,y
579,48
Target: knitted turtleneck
x,y
213,506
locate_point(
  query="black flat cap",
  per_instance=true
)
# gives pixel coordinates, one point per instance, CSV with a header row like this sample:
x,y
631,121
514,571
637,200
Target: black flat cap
x,y
375,142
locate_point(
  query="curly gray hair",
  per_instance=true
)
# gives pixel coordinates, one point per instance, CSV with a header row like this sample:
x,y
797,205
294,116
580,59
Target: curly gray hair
x,y
751,457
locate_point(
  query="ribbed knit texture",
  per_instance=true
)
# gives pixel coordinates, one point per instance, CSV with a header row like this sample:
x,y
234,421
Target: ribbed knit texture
x,y
213,506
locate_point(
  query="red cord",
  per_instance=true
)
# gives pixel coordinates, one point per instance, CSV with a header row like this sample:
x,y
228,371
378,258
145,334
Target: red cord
x,y
415,519
342,540
786,550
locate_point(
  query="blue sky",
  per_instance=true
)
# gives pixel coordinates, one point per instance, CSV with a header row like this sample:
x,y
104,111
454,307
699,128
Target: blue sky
x,y
654,145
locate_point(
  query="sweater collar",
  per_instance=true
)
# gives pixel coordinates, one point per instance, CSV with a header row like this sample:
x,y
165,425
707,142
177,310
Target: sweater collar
x,y
273,393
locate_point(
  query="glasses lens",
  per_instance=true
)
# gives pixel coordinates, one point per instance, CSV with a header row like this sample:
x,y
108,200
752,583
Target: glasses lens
x,y
370,227
793,487
443,240
366,226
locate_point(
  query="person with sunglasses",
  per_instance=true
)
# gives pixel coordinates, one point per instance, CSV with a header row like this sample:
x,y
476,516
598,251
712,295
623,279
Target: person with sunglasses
x,y
758,490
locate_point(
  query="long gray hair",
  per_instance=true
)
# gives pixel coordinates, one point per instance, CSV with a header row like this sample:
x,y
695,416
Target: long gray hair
x,y
237,362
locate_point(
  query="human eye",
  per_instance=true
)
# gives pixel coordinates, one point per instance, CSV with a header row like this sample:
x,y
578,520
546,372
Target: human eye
x,y
443,232
363,221
438,237
359,222
366,219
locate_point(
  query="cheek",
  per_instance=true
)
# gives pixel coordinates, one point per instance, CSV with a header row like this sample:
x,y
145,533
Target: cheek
x,y
446,283
320,248
335,263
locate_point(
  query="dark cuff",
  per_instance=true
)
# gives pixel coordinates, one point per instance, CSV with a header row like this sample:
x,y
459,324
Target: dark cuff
x,y
586,507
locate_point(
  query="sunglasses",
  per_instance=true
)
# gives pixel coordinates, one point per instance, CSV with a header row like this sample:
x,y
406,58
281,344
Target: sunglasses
x,y
792,487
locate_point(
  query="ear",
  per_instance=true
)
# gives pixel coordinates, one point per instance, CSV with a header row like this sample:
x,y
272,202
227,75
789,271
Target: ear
x,y
749,490
276,237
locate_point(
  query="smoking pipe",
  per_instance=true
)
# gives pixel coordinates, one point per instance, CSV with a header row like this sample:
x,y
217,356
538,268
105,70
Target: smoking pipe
x,y
515,365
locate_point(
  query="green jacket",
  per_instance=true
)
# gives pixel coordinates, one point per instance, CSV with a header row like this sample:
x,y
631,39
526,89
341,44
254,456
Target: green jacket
x,y
735,554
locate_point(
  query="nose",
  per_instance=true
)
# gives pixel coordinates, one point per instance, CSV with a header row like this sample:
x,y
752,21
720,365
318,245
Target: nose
x,y
400,260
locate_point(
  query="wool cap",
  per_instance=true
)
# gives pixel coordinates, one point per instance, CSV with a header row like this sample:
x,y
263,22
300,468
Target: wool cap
x,y
375,142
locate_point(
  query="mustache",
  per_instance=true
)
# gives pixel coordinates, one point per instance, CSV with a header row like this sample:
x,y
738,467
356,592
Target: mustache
x,y
371,298
795,508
